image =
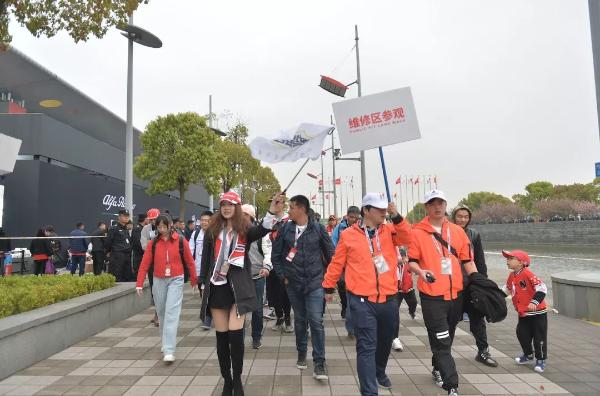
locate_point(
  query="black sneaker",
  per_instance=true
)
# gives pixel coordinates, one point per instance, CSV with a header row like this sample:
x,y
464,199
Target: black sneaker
x,y
486,358
301,363
343,313
437,378
320,372
384,382
256,344
452,392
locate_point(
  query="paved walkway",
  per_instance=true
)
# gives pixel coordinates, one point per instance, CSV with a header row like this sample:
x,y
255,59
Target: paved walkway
x,y
125,360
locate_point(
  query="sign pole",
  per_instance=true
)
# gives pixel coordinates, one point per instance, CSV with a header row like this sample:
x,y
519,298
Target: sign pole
x,y
385,179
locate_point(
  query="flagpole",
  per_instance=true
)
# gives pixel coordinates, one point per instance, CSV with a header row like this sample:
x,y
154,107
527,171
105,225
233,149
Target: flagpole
x,y
295,176
406,192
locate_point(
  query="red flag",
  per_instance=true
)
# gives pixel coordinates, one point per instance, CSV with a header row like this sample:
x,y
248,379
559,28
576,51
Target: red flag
x,y
326,196
314,197
398,180
338,181
321,183
417,181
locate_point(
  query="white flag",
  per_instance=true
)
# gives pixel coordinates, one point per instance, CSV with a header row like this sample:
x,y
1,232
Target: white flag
x,y
303,141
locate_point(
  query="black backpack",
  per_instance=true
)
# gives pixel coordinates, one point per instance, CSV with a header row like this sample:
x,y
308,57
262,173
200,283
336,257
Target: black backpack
x,y
186,272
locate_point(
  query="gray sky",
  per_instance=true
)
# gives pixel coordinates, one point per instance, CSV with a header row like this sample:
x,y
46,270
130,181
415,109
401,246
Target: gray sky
x,y
504,90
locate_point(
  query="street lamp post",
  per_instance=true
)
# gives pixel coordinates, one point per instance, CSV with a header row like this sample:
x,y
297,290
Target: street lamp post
x,y
147,39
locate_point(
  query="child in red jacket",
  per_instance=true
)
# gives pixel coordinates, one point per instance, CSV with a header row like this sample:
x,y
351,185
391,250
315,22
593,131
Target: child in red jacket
x,y
528,293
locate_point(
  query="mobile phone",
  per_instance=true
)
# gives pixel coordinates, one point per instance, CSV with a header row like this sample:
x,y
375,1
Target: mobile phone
x,y
430,278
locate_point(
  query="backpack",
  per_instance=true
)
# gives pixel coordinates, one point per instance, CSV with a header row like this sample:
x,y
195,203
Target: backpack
x,y
186,272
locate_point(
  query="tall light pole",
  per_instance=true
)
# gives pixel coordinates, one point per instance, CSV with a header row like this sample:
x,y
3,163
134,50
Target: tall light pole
x,y
147,39
211,202
333,171
363,174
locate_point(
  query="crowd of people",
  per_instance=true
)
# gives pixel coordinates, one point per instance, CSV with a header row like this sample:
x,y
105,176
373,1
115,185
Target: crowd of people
x,y
291,262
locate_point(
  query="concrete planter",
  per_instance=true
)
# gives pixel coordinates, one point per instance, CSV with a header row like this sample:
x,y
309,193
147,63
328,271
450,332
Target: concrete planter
x,y
30,337
577,293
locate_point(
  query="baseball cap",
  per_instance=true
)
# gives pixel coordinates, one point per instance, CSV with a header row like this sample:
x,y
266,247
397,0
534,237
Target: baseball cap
x,y
123,212
231,196
249,210
519,255
376,200
153,213
433,194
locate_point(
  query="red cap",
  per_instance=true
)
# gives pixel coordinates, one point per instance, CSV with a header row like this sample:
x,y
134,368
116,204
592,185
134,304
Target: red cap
x,y
519,255
153,213
231,196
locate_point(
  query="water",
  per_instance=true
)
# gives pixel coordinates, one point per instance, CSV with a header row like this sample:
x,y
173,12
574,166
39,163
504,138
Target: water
x,y
545,261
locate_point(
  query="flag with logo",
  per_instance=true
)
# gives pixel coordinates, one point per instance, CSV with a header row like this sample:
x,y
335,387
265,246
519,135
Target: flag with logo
x,y
290,145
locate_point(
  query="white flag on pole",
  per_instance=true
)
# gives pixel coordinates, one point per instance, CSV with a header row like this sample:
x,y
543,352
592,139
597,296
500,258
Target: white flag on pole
x,y
290,145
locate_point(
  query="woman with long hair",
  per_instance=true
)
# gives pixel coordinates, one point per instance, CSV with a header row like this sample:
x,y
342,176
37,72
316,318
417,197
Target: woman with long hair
x,y
167,254
228,292
40,251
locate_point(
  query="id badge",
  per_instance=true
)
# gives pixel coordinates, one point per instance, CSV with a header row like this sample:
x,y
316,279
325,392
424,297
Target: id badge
x,y
446,266
127,241
291,254
168,271
380,264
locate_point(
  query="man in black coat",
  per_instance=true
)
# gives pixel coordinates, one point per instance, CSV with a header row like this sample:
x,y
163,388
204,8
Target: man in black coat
x,y
461,215
118,246
136,246
98,251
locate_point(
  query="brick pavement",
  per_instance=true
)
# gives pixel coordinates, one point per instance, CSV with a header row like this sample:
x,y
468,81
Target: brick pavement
x,y
125,359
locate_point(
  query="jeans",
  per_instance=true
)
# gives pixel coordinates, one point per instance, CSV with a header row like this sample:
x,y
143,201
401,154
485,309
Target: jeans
x,y
78,261
168,295
257,316
308,311
375,327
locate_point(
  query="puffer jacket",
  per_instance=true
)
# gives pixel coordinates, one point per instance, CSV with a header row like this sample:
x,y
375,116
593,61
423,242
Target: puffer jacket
x,y
315,250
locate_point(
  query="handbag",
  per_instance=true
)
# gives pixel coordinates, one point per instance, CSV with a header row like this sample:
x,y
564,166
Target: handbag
x,y
49,270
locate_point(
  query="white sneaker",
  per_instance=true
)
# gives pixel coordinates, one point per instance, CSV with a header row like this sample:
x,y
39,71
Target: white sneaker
x,y
397,345
170,358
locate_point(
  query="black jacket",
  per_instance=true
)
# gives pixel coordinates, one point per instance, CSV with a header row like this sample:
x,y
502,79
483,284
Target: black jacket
x,y
478,255
136,244
315,249
118,239
98,243
239,278
484,296
40,246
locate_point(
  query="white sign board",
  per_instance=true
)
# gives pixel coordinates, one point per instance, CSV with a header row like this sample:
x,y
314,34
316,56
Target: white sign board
x,y
376,120
9,149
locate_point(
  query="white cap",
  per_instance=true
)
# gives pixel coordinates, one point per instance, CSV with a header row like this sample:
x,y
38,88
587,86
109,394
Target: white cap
x,y
376,200
435,194
249,210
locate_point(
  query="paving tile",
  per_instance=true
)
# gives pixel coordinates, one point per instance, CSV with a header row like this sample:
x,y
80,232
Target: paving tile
x,y
491,389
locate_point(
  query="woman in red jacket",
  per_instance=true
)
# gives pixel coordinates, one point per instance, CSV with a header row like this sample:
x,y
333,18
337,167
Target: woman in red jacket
x,y
164,253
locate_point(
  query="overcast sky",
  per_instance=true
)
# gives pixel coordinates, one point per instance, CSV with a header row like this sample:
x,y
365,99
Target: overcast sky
x,y
504,90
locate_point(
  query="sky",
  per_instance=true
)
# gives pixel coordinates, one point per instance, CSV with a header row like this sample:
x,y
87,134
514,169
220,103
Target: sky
x,y
504,90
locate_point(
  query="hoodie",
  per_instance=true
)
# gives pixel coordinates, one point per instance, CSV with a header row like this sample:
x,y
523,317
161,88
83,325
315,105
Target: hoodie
x,y
475,238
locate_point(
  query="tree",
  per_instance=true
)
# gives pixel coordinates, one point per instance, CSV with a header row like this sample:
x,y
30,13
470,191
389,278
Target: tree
x,y
537,191
577,192
417,213
238,133
476,199
79,18
240,165
499,213
180,150
264,185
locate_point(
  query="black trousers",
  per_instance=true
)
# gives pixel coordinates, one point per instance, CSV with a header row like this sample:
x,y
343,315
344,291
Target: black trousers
x,y
441,318
411,300
98,259
277,297
120,266
40,267
534,328
341,287
479,330
136,260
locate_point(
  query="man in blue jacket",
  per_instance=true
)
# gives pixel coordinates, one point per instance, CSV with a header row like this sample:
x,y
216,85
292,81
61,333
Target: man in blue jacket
x,y
352,216
78,248
300,255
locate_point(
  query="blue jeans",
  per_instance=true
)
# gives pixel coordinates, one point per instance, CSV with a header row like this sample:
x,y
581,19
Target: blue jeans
x,y
374,329
308,311
77,261
257,316
168,295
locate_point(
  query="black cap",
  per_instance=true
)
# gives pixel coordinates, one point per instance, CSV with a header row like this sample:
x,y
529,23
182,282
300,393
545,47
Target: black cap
x,y
142,217
123,212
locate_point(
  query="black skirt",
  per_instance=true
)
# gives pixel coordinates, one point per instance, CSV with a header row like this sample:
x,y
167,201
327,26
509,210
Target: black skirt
x,y
221,296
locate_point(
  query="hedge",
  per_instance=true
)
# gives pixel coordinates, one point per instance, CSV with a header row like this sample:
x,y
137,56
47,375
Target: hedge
x,y
23,293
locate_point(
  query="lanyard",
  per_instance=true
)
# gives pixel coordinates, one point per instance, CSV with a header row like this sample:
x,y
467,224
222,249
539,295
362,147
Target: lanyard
x,y
437,245
370,241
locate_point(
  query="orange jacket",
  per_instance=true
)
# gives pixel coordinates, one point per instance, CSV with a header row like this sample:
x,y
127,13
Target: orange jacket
x,y
353,256
424,251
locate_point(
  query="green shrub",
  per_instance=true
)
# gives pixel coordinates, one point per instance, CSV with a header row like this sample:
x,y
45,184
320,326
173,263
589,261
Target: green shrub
x,y
24,293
